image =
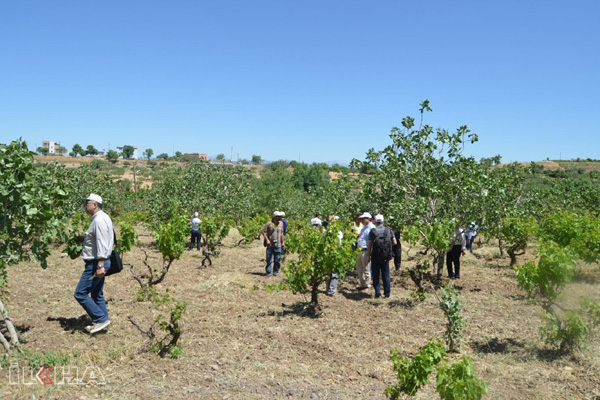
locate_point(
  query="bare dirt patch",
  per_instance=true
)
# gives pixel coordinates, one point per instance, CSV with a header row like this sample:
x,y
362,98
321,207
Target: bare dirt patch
x,y
243,342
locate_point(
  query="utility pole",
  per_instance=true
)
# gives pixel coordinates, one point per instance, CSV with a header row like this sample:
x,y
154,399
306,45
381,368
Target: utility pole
x,y
231,156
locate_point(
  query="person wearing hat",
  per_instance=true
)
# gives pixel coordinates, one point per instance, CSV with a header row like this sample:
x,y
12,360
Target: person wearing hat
x,y
316,221
453,256
380,266
470,235
363,266
284,222
196,235
274,240
97,247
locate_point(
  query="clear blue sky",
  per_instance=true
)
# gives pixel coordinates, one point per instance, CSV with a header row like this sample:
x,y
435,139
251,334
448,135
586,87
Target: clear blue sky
x,y
320,80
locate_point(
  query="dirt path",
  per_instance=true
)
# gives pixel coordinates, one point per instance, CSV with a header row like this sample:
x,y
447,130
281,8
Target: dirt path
x,y
243,342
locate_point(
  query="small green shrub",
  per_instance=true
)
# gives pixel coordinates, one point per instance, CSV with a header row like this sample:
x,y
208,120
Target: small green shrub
x,y
457,382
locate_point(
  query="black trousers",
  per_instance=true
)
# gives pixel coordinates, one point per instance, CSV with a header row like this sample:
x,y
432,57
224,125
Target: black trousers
x,y
453,257
397,250
196,238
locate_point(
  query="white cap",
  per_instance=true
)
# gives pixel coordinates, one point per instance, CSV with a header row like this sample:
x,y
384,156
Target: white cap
x,y
95,197
196,214
379,218
366,215
278,214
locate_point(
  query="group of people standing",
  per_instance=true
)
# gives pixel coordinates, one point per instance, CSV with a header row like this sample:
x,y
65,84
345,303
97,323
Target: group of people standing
x,y
378,245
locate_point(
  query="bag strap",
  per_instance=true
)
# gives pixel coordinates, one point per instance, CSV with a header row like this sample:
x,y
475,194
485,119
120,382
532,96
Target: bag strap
x,y
116,241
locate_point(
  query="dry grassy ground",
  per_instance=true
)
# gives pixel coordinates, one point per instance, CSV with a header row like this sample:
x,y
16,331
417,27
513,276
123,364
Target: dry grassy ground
x,y
243,342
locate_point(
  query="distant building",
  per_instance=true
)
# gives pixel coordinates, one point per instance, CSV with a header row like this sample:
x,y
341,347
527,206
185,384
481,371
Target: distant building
x,y
197,156
52,146
135,151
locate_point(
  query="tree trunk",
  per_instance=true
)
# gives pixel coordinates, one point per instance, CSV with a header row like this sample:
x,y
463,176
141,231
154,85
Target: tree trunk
x,y
513,257
438,261
14,338
501,247
314,293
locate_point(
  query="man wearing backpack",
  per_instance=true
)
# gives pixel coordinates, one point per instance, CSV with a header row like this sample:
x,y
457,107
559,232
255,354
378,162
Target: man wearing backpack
x,y
379,252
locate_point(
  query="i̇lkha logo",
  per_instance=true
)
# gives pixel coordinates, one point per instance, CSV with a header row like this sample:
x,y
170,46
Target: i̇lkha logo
x,y
50,375
44,376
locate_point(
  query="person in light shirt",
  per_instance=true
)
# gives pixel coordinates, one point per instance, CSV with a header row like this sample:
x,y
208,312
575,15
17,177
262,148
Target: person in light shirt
x,y
196,235
97,247
363,266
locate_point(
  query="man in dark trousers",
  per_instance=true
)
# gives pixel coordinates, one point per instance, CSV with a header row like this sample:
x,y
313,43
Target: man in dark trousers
x,y
379,253
453,256
397,250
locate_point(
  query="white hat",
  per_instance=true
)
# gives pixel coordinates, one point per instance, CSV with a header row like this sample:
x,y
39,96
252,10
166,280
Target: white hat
x,y
282,213
379,218
366,215
278,214
94,197
195,213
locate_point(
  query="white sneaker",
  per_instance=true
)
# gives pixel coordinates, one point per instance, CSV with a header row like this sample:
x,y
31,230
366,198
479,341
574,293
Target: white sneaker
x,y
100,326
88,328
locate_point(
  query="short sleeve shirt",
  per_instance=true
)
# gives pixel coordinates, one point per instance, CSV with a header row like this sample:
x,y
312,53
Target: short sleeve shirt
x,y
274,233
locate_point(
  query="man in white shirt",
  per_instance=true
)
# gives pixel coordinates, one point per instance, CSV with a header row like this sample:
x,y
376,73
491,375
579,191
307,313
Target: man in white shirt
x,y
97,247
195,232
363,266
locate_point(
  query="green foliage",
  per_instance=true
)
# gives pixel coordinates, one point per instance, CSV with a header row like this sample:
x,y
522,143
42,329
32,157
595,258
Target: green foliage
x,y
320,253
43,151
166,341
424,180
214,229
112,156
454,381
515,233
171,237
579,232
555,268
211,189
457,382
250,228
414,374
78,150
567,334
31,207
256,159
128,237
91,151
148,154
128,151
452,309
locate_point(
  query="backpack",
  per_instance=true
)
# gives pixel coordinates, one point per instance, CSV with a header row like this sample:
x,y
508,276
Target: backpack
x,y
382,245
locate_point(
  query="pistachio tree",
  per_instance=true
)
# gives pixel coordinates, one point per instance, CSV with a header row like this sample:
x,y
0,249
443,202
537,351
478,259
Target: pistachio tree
x,y
566,238
423,178
320,253
29,222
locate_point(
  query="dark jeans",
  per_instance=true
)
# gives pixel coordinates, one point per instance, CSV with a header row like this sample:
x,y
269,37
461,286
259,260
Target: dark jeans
x,y
470,244
273,255
95,305
453,257
195,237
397,250
381,268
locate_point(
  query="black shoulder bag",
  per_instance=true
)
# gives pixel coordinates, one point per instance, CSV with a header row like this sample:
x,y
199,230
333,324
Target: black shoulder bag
x,y
116,264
